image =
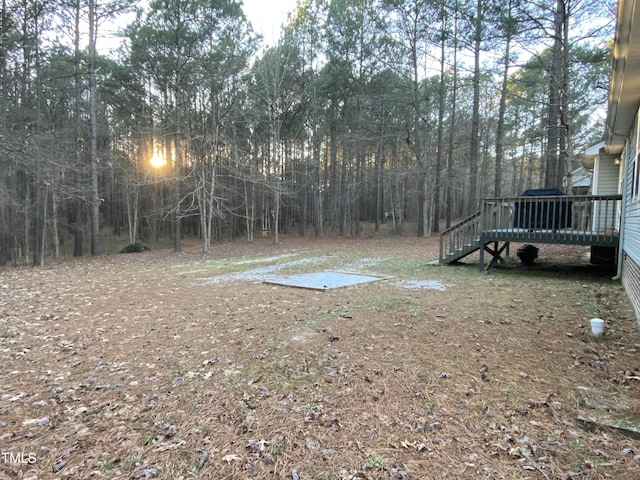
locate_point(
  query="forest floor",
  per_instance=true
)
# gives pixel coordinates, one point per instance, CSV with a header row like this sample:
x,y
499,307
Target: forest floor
x,y
187,365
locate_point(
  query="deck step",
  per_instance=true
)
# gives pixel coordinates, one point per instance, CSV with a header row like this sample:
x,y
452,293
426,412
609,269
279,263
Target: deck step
x,y
461,240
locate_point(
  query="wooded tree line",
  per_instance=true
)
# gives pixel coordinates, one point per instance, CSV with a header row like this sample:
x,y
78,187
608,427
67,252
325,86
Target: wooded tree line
x,y
363,111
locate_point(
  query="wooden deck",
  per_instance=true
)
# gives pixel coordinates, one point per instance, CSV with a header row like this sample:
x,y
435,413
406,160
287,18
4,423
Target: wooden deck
x,y
591,220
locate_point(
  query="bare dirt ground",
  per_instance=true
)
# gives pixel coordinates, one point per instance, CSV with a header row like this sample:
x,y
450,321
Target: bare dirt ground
x,y
186,365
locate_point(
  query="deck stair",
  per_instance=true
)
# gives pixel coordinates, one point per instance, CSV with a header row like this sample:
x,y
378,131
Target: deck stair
x,y
460,240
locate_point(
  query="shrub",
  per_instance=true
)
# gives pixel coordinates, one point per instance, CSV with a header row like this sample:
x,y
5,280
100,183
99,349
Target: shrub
x,y
135,247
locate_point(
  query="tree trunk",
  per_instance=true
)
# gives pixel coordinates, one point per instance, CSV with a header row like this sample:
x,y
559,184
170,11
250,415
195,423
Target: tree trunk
x,y
316,181
379,167
474,150
418,147
77,171
132,213
93,120
27,219
497,187
4,89
276,216
43,227
553,176
334,188
54,223
452,128
38,221
249,206
442,92
564,134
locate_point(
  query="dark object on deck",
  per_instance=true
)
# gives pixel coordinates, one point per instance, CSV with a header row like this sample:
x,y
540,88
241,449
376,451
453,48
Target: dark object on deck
x,y
527,254
548,214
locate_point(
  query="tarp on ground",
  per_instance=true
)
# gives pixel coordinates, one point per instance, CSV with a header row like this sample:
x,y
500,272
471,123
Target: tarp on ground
x,y
324,280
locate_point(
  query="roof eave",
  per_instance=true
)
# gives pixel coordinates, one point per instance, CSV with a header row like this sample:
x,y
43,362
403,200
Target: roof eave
x,y
624,92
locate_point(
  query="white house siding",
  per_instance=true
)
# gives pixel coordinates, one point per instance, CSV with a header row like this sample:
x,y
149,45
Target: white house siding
x,y
606,175
631,236
631,282
606,182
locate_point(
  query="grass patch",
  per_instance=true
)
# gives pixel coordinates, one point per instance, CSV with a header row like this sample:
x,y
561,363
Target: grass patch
x,y
148,437
324,476
583,456
318,319
374,462
106,466
277,449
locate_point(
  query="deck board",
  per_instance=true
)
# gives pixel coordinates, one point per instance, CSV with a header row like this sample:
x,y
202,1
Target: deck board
x,y
561,236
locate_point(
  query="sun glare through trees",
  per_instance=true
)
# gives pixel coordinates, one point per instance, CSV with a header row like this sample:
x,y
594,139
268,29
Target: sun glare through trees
x,y
158,159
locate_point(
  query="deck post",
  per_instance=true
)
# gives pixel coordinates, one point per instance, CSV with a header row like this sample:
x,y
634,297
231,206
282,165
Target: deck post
x,y
496,253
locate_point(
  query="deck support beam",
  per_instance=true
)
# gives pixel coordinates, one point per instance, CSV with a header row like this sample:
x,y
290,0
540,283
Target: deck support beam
x,y
495,251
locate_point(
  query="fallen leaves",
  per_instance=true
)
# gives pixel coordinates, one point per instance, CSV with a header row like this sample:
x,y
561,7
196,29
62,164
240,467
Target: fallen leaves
x,y
147,373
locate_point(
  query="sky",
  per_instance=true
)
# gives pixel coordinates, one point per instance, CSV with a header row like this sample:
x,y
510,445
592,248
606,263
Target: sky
x,y
267,16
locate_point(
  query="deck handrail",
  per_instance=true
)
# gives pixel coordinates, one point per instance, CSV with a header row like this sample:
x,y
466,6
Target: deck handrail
x,y
571,214
464,220
460,239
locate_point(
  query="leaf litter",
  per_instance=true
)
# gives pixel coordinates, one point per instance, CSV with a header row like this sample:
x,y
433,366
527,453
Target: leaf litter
x,y
123,367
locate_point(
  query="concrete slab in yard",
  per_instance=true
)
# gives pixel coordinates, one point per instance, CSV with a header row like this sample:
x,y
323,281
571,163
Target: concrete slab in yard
x,y
324,280
607,410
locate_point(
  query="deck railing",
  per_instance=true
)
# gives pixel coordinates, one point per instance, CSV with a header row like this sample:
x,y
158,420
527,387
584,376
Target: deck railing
x,y
575,217
460,239
570,219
